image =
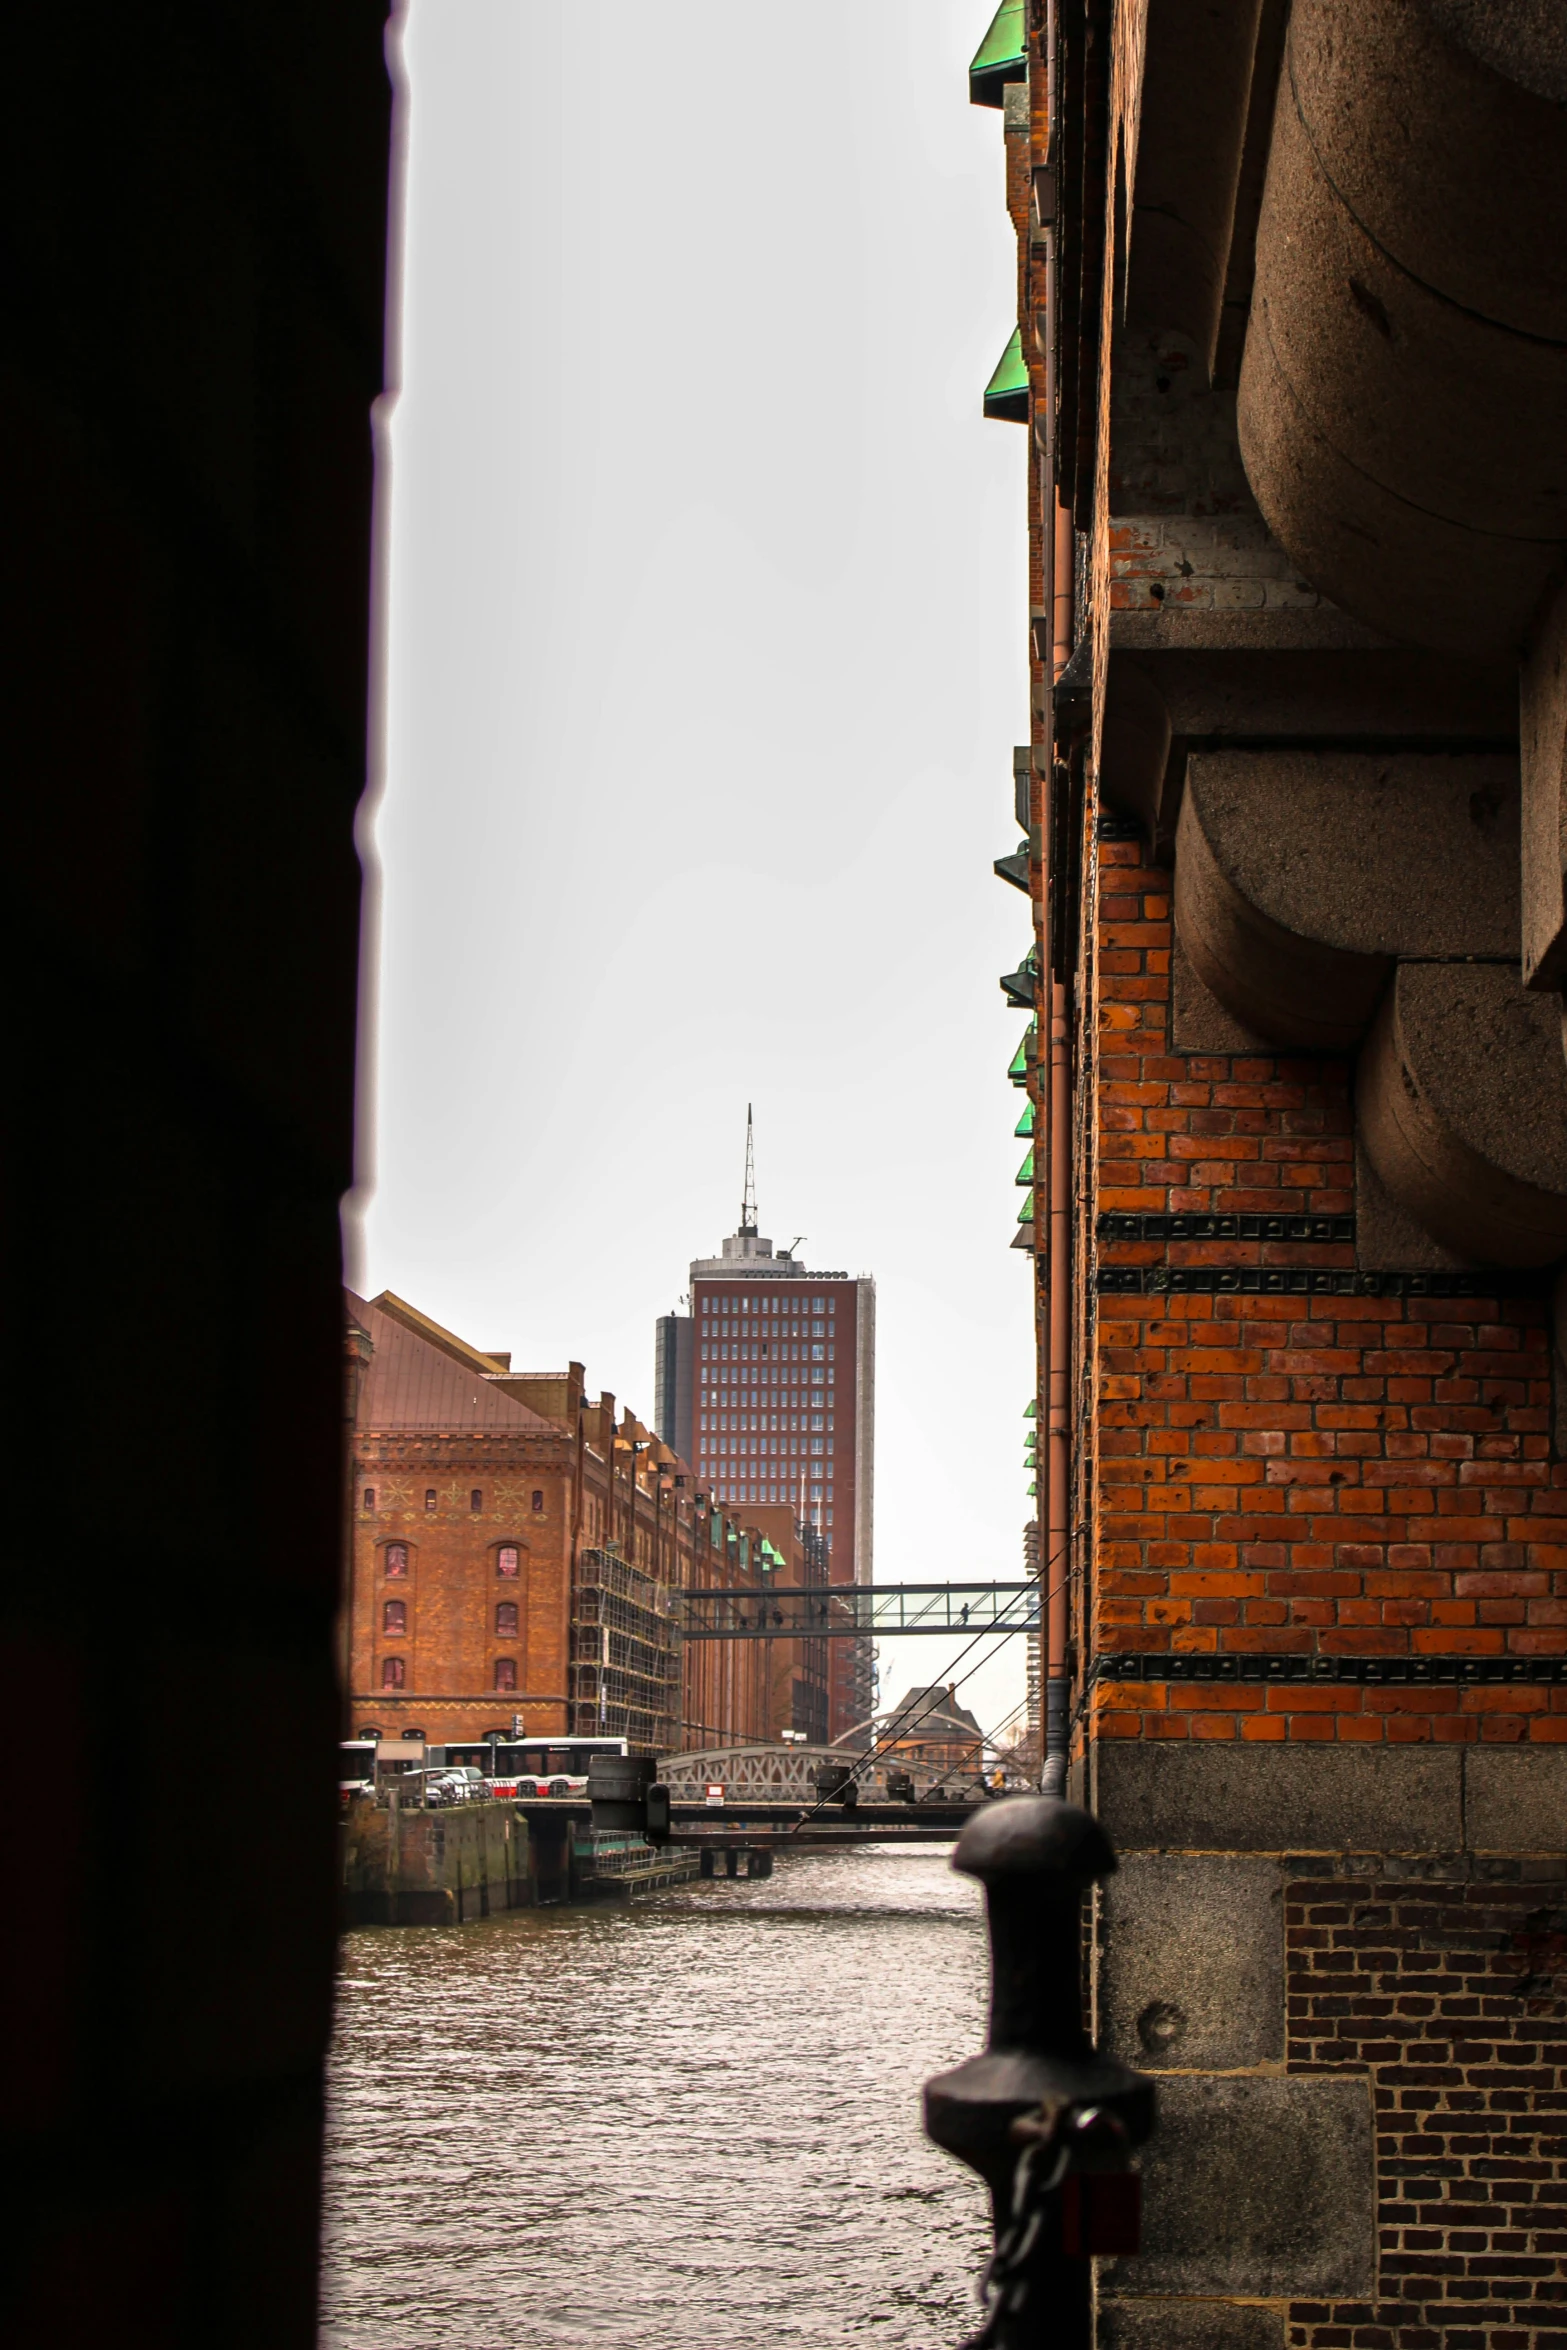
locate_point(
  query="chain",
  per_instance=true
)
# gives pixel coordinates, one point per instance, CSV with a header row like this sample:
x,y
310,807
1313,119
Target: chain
x,y
1004,2287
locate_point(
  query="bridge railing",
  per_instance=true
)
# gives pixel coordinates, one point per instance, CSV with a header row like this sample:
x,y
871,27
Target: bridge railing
x,y
853,1610
786,1774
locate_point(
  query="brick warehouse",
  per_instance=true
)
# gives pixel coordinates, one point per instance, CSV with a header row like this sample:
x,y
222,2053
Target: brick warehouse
x,y
1292,361
514,1547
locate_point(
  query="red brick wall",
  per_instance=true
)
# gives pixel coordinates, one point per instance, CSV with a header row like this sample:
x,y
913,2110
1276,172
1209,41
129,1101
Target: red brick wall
x,y
1334,1476
1452,1996
452,1586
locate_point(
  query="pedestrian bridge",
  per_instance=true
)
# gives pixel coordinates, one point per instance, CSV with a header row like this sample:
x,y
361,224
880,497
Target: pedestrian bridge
x,y
849,1611
787,1774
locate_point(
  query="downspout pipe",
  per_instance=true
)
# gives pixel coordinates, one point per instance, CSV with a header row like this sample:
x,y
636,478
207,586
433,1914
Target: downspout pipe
x,y
1055,1063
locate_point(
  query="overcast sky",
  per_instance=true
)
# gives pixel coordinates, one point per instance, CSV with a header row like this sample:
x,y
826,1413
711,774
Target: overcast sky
x,y
705,656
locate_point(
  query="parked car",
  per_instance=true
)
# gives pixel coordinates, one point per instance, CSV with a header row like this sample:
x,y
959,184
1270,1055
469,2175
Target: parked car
x,y
461,1784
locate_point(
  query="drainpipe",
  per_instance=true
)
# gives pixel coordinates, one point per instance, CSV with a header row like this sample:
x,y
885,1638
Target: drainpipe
x,y
1056,1089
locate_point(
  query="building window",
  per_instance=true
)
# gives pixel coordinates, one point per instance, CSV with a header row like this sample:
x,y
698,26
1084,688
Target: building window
x,y
429,1497
506,1672
397,1558
392,1670
394,1616
369,1497
476,1499
506,1560
506,1620
538,1497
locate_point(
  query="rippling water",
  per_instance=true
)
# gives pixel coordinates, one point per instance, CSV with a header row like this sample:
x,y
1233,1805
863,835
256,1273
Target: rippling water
x,y
692,2124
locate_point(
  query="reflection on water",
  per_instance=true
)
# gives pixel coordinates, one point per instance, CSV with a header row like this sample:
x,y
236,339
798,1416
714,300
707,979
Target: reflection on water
x,y
688,2125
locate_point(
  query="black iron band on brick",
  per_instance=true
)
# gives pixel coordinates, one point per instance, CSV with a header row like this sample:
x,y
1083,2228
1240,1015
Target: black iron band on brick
x,y
1481,1671
1304,1281
1116,1226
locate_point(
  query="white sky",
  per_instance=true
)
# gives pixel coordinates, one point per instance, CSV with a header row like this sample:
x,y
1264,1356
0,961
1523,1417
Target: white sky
x,y
705,657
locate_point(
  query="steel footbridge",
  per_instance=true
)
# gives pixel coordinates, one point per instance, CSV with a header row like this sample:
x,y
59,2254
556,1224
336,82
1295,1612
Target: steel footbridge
x,y
854,1611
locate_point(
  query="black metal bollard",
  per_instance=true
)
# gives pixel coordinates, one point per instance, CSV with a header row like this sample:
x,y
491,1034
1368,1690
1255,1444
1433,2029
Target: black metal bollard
x,y
1048,2123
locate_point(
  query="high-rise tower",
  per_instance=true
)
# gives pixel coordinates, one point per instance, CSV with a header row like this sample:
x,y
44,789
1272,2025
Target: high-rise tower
x,y
768,1387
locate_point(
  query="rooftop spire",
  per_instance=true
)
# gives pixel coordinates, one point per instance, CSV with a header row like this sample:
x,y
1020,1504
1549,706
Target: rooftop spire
x,y
748,1204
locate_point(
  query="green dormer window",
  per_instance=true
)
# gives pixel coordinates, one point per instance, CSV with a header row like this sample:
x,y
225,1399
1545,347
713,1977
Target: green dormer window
x,y
1006,394
1001,57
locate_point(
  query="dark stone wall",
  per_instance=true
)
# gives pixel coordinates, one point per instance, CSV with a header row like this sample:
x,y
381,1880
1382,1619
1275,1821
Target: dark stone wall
x,y
194,226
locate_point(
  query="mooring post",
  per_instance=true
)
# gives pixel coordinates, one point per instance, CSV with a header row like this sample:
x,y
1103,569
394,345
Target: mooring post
x,y
1048,2123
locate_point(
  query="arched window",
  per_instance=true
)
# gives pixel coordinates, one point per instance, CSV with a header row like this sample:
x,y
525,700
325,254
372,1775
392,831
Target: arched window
x,y
476,1499
397,1559
506,1560
369,1497
506,1672
394,1616
429,1497
392,1672
369,1731
506,1620
538,1497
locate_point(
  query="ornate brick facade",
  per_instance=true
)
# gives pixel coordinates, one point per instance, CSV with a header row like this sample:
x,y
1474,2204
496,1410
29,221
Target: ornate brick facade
x,y
1299,1120
484,1504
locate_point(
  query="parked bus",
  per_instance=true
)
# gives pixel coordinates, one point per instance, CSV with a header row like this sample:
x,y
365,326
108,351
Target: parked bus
x,y
531,1767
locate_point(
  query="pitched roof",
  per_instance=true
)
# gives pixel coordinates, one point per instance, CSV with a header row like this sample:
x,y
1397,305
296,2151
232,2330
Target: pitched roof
x,y
927,1712
410,1382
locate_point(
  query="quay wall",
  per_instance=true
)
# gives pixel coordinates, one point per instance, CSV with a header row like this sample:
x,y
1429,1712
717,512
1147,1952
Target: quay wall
x,y
402,1867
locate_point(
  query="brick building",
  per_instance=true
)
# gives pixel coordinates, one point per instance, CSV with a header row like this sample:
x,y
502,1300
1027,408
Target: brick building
x,y
515,1546
1292,302
930,1729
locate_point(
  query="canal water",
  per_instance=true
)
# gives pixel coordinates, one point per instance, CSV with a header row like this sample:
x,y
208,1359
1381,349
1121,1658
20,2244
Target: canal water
x,y
690,2124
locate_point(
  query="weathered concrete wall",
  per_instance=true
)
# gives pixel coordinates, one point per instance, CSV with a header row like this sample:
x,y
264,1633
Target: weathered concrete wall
x,y
433,1868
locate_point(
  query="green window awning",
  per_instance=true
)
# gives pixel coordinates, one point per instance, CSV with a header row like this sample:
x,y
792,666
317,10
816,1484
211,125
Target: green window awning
x,y
1025,1214
1025,1173
1001,57
1031,1489
1006,394
1017,1067
1031,1409
1025,1124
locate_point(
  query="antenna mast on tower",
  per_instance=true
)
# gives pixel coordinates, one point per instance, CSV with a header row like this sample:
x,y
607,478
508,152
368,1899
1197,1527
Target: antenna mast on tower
x,y
748,1204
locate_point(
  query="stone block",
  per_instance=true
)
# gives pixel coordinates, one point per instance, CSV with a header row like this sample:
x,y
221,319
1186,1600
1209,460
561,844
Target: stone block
x,y
1515,1798
1266,1798
1191,1971
1199,1023
1387,1237
1258,2185
1156,2322
1543,761
1461,1102
1302,875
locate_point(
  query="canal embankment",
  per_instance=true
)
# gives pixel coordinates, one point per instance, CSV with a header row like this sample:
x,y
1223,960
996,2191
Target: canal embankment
x,y
452,1864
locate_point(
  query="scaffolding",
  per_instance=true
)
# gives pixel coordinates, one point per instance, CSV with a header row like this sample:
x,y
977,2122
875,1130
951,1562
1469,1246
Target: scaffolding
x,y
625,1667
